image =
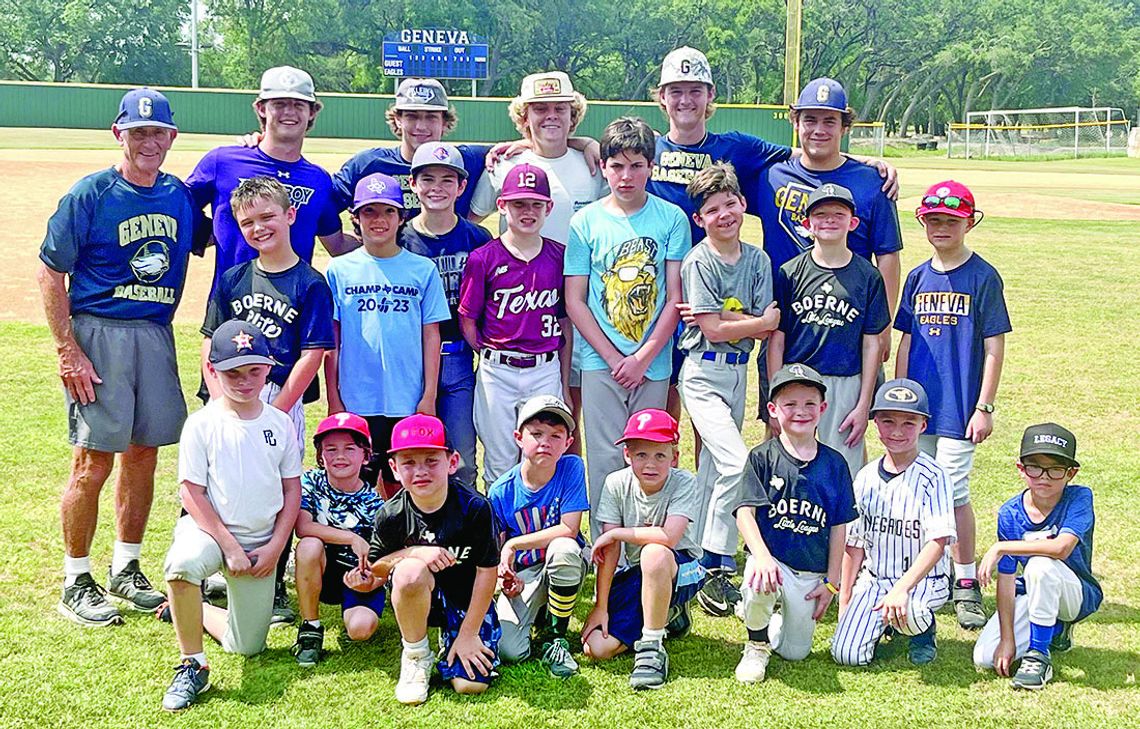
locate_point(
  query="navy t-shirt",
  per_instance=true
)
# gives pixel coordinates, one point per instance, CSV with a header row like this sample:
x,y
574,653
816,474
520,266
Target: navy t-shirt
x,y
449,253
824,312
798,502
1073,514
675,166
310,192
782,207
124,247
293,307
389,161
948,315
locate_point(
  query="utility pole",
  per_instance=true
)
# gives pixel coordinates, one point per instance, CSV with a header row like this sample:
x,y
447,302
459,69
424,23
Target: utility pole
x,y
792,41
194,44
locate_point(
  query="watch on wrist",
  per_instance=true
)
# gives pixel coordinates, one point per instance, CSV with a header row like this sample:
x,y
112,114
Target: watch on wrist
x,y
985,407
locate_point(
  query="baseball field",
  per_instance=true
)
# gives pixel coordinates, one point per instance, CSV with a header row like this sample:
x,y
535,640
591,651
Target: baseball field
x,y
1063,235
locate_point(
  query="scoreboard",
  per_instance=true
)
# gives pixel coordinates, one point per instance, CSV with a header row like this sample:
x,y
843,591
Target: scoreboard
x,y
431,53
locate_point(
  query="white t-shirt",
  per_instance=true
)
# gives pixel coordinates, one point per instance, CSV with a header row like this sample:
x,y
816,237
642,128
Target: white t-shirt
x,y
572,187
241,463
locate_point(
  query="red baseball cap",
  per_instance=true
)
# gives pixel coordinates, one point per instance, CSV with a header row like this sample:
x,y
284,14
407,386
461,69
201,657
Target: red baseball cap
x,y
348,422
418,431
950,197
526,182
652,425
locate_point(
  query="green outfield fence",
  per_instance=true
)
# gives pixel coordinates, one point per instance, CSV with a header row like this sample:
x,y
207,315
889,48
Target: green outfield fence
x,y
345,116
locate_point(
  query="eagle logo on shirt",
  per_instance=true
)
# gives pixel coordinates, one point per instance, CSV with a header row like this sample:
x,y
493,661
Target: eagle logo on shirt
x,y
151,261
630,288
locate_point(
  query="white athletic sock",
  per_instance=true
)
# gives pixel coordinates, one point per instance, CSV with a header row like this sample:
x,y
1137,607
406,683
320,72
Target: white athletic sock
x,y
123,553
420,646
314,623
73,567
200,657
656,636
965,571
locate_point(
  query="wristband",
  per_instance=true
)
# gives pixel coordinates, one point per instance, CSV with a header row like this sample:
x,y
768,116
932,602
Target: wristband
x,y
830,587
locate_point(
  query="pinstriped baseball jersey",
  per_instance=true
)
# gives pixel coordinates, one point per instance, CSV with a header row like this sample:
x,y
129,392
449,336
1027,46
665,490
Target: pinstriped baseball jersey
x,y
899,514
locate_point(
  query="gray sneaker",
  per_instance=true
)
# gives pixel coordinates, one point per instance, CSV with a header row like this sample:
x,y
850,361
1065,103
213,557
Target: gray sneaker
x,y
650,665
968,604
191,680
132,587
1036,670
310,644
557,659
85,602
282,613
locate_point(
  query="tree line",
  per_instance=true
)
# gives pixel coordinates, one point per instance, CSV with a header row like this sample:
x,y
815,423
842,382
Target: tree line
x,y
913,64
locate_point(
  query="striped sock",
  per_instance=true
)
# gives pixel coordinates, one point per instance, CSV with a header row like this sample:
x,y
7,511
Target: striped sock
x,y
560,601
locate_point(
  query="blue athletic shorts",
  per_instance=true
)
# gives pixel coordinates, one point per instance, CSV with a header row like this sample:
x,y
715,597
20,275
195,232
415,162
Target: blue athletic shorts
x,y
626,618
448,619
335,592
678,354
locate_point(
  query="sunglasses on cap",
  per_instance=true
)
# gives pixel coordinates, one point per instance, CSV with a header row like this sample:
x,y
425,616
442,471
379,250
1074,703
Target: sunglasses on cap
x,y
952,202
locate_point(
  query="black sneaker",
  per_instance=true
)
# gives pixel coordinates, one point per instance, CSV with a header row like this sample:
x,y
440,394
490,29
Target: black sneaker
x,y
132,587
719,596
1035,671
85,602
650,665
282,613
680,621
968,604
1062,641
191,680
309,645
923,648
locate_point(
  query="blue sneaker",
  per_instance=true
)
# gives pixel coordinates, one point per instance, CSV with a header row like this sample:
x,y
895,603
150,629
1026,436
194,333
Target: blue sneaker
x,y
923,647
190,681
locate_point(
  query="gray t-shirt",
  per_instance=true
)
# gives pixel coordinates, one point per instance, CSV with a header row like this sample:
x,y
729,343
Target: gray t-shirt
x,y
625,504
711,286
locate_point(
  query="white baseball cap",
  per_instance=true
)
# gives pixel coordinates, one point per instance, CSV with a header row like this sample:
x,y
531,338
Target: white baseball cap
x,y
286,82
685,64
549,86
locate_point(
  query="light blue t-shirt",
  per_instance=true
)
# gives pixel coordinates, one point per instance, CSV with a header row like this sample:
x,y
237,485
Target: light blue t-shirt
x,y
624,257
382,305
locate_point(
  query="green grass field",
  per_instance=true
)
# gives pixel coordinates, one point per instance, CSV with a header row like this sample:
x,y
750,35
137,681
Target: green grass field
x,y
1063,236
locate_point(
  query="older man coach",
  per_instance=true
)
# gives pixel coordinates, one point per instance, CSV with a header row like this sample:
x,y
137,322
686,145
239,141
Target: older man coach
x,y
114,264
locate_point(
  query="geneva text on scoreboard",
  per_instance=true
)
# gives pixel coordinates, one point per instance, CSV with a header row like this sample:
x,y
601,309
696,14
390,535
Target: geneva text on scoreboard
x,y
433,53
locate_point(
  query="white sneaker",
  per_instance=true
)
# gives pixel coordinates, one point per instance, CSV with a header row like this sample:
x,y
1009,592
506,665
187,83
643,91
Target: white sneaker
x,y
415,672
753,664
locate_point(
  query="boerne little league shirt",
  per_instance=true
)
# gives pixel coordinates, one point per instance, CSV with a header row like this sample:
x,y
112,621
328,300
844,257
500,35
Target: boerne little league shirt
x,y
389,161
517,305
449,252
518,510
711,286
382,305
798,502
785,188
124,247
949,315
625,259
824,312
310,188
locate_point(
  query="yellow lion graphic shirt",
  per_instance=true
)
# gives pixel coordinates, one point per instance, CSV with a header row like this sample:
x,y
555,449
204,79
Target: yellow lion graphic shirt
x,y
624,258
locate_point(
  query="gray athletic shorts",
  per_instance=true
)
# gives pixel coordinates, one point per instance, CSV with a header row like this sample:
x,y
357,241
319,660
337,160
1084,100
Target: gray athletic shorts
x,y
140,401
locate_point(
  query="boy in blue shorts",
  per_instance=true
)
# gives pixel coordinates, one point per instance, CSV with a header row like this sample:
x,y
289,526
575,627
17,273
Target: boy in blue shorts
x,y
388,303
435,543
623,284
1047,532
538,507
797,501
647,512
953,320
439,179
334,525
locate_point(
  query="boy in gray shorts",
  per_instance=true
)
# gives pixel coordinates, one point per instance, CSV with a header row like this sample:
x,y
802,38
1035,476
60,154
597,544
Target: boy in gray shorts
x,y
240,470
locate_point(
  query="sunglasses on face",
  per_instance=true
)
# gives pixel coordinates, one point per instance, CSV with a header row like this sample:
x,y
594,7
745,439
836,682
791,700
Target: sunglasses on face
x,y
1051,472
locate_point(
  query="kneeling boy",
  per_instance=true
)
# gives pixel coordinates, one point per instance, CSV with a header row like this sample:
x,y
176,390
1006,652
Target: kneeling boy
x,y
338,509
648,510
797,501
538,508
1047,531
906,520
436,544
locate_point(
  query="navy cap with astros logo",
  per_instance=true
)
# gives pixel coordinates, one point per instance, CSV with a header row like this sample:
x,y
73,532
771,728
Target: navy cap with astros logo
x,y
1049,439
901,396
238,343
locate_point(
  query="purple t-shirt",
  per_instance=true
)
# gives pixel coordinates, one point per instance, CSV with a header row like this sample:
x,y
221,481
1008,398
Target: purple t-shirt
x,y
516,304
310,188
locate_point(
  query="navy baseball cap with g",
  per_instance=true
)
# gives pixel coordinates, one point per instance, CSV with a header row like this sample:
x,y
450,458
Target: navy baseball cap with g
x,y
901,396
144,107
823,93
238,343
